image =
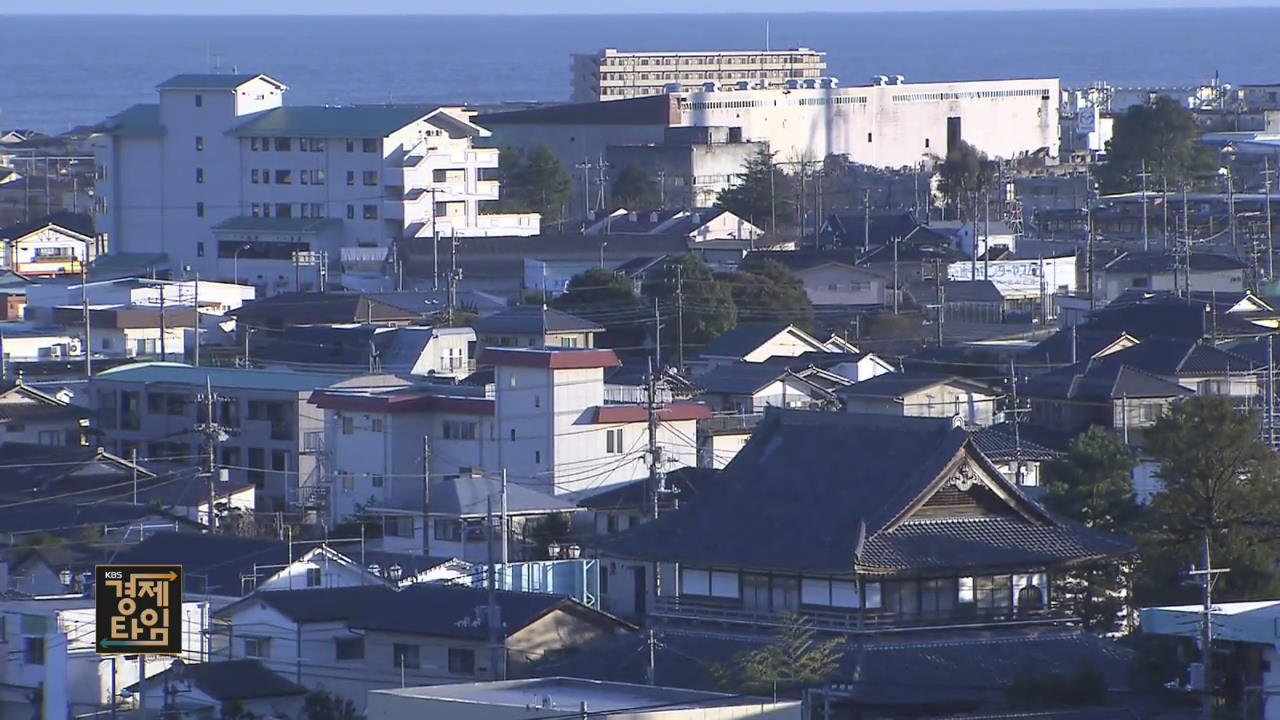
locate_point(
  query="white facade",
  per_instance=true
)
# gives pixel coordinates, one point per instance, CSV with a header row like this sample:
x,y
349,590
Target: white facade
x,y
613,74
21,342
222,163
887,125
1029,278
215,297
51,250
50,642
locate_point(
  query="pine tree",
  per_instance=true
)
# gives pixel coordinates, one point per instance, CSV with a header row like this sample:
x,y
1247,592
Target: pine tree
x,y
795,658
708,308
634,190
1092,484
763,192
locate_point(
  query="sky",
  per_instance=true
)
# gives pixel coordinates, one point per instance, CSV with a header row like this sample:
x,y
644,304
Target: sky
x,y
322,7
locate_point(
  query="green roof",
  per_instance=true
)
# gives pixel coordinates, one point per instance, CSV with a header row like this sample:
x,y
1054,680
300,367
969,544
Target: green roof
x,y
248,223
210,81
329,122
142,120
221,377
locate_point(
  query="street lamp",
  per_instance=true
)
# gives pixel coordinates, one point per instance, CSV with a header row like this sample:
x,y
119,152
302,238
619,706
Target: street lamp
x,y
1228,154
603,245
235,263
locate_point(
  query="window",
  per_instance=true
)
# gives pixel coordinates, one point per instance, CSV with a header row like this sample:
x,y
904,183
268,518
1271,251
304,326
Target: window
x,y
993,592
257,461
317,210
351,177
199,209
199,100
370,212
200,175
284,177
284,210
280,460
370,177
569,342
376,424
351,145
369,145
351,648
253,144
317,177
283,144
253,177
537,457
33,650
462,661
303,177
266,144
404,656
348,425
459,430
50,437
351,212
447,530
376,480
199,143
613,441
199,248
313,577
257,647
304,144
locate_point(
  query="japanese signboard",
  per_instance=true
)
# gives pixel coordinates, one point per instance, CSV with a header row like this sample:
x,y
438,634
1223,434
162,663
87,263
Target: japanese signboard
x,y
139,609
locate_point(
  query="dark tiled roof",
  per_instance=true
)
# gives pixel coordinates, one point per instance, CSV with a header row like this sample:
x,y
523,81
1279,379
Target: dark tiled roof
x,y
455,611
966,667
229,680
984,291
312,308
651,110
741,340
999,444
804,259
740,378
142,120
884,229
1180,357
1101,380
81,223
1000,541
898,384
533,320
822,491
1169,316
60,518
212,564
1056,349
687,482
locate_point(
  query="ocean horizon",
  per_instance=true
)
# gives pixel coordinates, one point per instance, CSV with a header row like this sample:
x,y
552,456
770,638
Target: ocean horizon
x,y
104,63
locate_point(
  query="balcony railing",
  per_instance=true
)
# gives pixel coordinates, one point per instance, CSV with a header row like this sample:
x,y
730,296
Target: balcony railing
x,y
707,611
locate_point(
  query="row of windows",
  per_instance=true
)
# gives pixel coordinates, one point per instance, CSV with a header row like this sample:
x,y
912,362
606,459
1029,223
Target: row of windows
x,y
708,75
305,210
285,144
715,60
285,177
462,661
1042,93
842,100
726,104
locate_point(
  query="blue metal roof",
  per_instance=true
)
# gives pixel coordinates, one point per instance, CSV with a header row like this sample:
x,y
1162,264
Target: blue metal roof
x,y
142,120
221,377
329,122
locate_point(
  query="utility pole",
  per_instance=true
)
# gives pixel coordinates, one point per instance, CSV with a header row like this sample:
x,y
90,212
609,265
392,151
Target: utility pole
x,y
680,317
494,619
1266,189
866,220
1164,210
426,493
1186,242
1271,392
163,330
1146,245
655,452
1206,575
133,460
986,233
195,322
451,299
435,259
84,302
503,532
1016,412
1088,221
657,335
213,434
773,198
896,240
585,166
942,298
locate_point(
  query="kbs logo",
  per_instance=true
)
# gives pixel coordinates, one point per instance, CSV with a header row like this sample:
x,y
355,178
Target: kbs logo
x,y
139,609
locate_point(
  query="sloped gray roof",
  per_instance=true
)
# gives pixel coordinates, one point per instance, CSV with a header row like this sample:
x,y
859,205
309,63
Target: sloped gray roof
x,y
741,340
468,496
229,680
898,384
329,122
209,81
533,319
740,378
1100,380
820,491
141,120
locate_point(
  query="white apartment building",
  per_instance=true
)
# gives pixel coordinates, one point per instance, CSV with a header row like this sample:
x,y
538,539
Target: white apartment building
x,y
613,74
544,421
221,175
884,124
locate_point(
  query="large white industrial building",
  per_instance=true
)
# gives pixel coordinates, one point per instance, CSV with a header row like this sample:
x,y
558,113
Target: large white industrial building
x,y
221,175
889,123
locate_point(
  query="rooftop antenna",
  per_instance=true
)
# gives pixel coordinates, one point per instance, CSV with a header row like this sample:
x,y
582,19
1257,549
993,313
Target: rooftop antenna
x,y
766,36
